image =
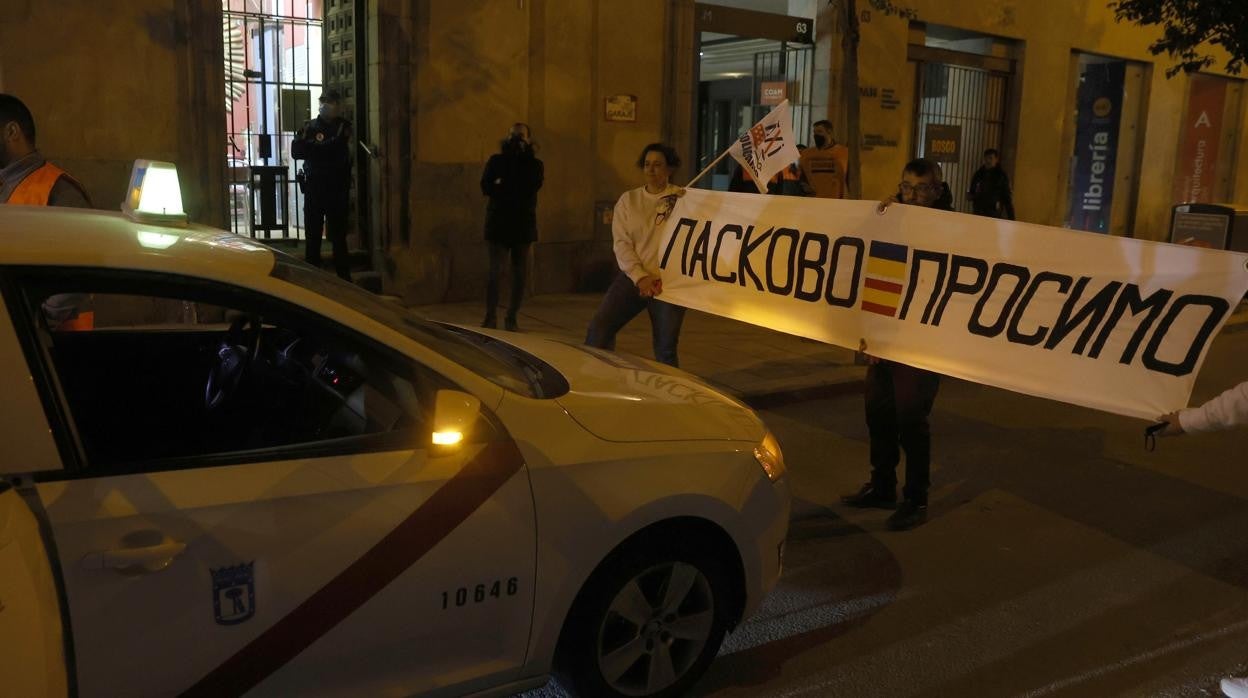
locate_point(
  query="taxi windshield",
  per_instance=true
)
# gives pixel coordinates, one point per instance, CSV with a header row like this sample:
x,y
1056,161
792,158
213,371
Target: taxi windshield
x,y
511,370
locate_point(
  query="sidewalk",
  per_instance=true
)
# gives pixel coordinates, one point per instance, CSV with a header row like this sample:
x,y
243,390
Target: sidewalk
x,y
761,366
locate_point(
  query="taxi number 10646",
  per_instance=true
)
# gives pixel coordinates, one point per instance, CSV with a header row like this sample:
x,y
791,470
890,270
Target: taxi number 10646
x,y
480,594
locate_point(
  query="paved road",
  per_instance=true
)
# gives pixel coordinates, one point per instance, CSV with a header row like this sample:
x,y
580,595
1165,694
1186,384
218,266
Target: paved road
x,y
1060,558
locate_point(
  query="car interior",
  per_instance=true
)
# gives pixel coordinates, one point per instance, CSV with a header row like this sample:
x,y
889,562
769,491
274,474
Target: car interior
x,y
151,378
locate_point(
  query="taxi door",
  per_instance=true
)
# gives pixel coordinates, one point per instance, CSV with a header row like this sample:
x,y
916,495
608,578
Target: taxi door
x,y
32,656
213,563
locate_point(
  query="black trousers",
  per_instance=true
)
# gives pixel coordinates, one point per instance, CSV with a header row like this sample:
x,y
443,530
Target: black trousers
x,y
327,201
899,399
499,252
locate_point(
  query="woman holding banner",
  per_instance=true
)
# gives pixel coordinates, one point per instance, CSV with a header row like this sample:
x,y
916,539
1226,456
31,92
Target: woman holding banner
x,y
635,229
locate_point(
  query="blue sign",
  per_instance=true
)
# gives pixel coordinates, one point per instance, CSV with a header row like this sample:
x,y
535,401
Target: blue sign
x,y
1096,145
234,593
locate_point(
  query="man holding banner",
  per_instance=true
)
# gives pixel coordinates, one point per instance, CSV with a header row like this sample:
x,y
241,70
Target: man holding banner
x,y
899,397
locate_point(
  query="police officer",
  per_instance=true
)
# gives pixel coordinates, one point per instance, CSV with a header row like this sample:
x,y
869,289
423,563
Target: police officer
x,y
324,144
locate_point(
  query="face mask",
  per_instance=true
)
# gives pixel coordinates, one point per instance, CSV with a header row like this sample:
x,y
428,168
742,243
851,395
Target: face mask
x,y
820,141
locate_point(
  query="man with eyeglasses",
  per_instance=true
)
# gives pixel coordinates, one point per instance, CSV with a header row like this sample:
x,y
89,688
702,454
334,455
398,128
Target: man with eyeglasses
x,y
899,398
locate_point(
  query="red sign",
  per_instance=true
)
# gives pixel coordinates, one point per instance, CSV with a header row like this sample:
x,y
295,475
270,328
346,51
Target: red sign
x,y
1196,169
773,93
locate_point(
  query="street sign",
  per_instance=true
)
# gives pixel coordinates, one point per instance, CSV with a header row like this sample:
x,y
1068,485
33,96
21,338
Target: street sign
x,y
753,24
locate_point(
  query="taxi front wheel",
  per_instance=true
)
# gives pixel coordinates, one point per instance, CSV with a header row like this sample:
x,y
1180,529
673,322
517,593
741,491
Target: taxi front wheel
x,y
648,624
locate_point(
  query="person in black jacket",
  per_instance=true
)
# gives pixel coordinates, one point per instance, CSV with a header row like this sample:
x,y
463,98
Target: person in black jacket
x,y
511,179
990,189
899,397
324,144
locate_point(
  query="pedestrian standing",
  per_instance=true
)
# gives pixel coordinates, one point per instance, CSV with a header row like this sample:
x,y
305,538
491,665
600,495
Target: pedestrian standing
x,y
26,177
990,189
635,227
324,144
511,180
899,397
826,165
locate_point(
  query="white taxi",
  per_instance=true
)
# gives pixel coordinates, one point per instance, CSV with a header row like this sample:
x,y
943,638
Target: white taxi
x,y
225,472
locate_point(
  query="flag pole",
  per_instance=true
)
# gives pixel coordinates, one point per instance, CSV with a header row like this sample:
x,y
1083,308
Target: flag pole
x,y
708,168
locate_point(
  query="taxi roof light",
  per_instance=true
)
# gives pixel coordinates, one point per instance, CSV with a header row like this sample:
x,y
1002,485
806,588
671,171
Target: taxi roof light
x,y
154,195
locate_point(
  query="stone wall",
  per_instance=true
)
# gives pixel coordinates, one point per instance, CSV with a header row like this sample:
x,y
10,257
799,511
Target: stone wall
x,y
112,82
453,75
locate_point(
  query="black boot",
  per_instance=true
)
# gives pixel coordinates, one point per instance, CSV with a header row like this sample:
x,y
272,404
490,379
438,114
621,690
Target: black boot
x,y
490,322
871,496
907,516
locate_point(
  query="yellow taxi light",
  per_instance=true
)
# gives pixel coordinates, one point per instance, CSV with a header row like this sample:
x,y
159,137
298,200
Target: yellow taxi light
x,y
154,194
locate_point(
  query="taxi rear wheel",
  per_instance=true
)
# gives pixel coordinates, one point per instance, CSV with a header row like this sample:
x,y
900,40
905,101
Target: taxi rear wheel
x,y
648,624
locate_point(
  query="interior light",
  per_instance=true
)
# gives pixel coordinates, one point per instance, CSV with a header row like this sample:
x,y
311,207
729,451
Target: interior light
x,y
447,438
154,240
154,193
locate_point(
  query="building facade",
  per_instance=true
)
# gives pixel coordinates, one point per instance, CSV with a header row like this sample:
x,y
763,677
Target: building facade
x,y
1092,132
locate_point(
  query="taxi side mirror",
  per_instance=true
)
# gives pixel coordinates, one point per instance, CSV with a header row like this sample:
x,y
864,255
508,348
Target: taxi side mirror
x,y
454,413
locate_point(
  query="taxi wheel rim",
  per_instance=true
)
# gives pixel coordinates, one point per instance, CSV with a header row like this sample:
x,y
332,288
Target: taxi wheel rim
x,y
655,629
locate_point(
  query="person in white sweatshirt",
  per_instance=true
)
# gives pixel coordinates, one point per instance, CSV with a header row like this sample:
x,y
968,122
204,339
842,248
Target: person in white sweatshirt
x,y
635,229
1226,411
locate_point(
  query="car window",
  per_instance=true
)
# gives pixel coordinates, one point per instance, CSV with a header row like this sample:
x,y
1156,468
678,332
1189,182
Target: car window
x,y
499,363
174,374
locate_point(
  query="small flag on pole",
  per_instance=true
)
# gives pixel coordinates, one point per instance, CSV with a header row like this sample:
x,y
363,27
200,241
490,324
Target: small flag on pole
x,y
768,147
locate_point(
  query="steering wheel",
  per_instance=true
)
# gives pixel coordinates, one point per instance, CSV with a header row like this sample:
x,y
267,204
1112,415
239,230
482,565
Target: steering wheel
x,y
235,355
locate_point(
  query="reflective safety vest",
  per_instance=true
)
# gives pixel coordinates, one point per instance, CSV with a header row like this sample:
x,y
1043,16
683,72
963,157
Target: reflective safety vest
x,y
36,189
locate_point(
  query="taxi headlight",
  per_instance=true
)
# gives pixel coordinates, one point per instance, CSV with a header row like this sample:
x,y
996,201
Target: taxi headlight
x,y
769,456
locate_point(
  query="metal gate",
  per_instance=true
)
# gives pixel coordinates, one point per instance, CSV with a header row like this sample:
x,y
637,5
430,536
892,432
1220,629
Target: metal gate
x,y
974,99
273,51
791,69
784,74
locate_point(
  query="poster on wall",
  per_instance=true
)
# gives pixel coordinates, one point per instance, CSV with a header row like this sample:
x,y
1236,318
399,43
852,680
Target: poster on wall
x,y
621,108
1099,105
942,142
1195,171
772,93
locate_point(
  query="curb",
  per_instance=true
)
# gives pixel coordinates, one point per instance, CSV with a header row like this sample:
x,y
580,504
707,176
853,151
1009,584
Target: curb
x,y
822,391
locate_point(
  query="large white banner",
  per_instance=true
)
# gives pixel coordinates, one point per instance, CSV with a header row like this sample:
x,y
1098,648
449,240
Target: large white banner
x,y
1111,323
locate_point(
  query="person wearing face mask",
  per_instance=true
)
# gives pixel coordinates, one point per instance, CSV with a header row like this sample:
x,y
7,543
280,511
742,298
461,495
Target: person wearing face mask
x,y
324,144
26,177
636,225
511,180
826,166
899,398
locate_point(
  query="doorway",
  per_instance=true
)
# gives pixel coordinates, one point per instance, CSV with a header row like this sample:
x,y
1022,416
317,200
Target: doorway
x,y
964,94
748,61
273,74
